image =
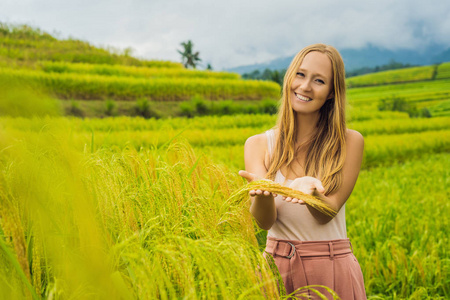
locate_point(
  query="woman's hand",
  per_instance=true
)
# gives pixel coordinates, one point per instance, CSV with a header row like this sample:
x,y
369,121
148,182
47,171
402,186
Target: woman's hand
x,y
307,185
252,177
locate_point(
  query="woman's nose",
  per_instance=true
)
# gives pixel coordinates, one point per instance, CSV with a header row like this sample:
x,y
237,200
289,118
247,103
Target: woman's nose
x,y
305,85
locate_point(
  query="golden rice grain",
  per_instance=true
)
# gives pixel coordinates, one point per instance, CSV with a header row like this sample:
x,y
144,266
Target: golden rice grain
x,y
36,266
273,187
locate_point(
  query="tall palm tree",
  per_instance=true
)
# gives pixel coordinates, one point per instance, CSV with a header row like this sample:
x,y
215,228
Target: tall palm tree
x,y
189,58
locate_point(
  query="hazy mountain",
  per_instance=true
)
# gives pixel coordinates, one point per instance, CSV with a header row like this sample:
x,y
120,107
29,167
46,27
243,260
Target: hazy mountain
x,y
370,56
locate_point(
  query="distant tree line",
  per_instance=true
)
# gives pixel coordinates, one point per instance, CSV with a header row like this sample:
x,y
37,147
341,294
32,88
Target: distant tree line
x,y
278,75
267,74
392,65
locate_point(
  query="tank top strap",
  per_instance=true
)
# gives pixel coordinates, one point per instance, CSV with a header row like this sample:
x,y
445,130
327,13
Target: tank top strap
x,y
270,141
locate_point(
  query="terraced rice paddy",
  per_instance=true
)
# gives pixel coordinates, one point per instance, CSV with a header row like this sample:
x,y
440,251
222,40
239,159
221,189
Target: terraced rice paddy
x,y
124,207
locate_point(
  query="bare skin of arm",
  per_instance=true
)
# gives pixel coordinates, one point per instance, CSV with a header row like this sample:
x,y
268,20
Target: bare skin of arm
x,y
350,172
262,202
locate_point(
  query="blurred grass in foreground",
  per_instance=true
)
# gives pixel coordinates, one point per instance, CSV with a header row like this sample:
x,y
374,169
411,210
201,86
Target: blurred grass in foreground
x,y
112,224
18,99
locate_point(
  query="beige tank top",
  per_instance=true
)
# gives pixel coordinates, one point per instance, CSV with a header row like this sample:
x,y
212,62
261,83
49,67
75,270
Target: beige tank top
x,y
295,222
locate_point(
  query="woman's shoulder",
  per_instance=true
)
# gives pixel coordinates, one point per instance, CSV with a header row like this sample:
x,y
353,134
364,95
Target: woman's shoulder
x,y
353,135
257,141
261,140
354,139
255,151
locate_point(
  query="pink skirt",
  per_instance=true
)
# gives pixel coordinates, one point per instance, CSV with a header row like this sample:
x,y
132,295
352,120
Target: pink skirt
x,y
311,263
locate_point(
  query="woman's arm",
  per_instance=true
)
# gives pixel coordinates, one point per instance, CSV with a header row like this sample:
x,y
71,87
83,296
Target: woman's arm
x,y
262,203
350,172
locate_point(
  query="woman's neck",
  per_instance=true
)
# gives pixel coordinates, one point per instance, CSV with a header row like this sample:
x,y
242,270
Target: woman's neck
x,y
307,126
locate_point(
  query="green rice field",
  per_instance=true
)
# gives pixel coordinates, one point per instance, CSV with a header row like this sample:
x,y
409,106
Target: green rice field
x,y
102,208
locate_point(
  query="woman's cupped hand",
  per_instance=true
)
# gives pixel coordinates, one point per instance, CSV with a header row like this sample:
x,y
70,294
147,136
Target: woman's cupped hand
x,y
307,185
252,177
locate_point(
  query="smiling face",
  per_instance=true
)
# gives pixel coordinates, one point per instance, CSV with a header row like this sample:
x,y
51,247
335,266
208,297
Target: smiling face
x,y
313,83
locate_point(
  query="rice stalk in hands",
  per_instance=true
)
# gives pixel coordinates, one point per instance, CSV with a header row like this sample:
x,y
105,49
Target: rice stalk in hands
x,y
276,188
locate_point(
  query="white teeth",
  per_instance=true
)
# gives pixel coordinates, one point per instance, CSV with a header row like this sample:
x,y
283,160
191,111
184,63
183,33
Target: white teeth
x,y
302,98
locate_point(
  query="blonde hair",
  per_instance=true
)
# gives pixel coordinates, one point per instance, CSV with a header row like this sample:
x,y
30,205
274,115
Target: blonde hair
x,y
326,148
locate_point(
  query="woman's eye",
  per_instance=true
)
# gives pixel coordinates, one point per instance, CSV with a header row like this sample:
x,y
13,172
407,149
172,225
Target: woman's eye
x,y
320,81
300,74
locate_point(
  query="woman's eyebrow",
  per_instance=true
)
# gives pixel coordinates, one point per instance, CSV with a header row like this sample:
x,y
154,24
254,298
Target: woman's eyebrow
x,y
313,74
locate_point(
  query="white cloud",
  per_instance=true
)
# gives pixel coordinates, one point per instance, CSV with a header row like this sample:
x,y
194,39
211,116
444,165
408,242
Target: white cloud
x,y
237,32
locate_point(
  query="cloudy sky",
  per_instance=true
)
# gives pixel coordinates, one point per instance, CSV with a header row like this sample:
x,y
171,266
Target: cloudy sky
x,y
236,32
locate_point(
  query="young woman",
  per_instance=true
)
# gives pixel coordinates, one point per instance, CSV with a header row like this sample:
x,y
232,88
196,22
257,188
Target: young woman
x,y
311,150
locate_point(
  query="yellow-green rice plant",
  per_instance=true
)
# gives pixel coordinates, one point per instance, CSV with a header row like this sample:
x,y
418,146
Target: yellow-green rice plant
x,y
18,99
361,113
379,150
388,149
397,221
184,218
132,71
138,132
392,76
414,91
370,124
414,138
13,232
36,267
442,108
56,213
139,124
205,137
105,223
69,86
408,125
443,71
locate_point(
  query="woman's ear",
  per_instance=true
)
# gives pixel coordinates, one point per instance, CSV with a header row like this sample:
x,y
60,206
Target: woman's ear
x,y
331,96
